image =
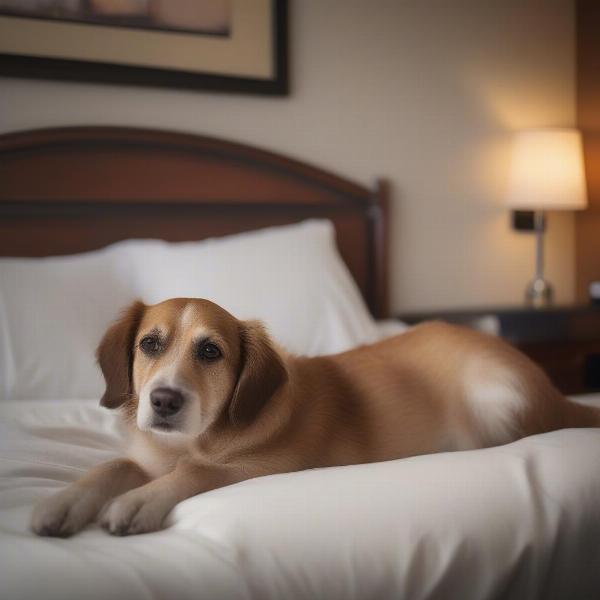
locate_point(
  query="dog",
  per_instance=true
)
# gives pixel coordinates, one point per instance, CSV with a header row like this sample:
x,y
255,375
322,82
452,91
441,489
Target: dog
x,y
210,400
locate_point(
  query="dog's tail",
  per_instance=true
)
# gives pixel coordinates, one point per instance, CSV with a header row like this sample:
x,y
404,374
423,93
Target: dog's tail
x,y
581,415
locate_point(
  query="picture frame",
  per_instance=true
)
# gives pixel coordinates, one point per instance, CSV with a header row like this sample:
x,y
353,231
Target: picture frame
x,y
246,54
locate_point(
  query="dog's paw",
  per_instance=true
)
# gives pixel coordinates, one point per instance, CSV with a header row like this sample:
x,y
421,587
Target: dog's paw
x,y
133,513
63,514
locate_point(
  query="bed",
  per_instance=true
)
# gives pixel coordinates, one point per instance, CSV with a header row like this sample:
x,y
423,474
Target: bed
x,y
516,521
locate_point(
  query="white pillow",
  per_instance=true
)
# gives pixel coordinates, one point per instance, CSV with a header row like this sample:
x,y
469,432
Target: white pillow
x,y
291,277
53,311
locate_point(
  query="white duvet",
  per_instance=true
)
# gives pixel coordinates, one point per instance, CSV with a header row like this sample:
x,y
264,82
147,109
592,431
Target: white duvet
x,y
517,521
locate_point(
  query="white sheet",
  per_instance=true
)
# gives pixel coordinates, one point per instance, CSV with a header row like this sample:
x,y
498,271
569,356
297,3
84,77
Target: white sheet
x,y
518,521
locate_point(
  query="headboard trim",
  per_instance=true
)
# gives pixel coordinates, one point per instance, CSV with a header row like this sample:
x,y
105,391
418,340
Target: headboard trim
x,y
94,185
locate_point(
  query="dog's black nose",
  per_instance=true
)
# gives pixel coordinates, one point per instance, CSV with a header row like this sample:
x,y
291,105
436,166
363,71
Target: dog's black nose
x,y
166,401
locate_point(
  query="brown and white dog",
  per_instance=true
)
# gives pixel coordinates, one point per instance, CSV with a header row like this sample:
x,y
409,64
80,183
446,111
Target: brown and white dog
x,y
210,400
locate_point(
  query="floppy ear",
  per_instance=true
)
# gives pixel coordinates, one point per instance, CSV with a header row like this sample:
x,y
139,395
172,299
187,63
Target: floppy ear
x,y
261,374
115,355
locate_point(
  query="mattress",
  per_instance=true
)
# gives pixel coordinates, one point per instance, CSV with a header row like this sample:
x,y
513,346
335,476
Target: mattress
x,y
515,521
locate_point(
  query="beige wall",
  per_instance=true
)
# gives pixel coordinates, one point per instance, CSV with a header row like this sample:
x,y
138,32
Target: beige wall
x,y
423,92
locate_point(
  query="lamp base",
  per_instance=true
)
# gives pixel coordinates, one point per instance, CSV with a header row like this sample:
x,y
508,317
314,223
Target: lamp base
x,y
539,293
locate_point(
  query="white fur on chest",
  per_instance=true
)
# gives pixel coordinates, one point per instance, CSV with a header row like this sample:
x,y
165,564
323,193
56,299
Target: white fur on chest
x,y
158,454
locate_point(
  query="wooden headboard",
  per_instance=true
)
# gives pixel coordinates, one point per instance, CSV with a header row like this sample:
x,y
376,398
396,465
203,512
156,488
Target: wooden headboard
x,y
70,190
587,222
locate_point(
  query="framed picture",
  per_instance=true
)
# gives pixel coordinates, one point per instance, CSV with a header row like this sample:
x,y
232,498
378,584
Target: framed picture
x,y
224,45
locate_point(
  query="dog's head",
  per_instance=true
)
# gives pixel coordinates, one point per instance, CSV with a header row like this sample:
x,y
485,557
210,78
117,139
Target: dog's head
x,y
184,364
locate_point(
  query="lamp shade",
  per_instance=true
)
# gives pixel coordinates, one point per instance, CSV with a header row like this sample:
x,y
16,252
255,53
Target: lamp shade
x,y
547,171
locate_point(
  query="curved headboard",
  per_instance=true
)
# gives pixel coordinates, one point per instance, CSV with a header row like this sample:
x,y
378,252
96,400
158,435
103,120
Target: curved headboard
x,y
74,189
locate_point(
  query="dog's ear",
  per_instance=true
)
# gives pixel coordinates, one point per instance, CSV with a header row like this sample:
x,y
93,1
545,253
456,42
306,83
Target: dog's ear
x,y
115,355
262,373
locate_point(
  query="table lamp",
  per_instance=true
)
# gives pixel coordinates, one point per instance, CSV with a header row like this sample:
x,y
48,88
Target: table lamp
x,y
546,173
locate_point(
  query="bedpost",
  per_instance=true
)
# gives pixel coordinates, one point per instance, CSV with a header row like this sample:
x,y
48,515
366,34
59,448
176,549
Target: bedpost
x,y
379,223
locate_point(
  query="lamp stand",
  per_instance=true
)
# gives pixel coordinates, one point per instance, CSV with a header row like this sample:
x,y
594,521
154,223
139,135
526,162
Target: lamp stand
x,y
539,292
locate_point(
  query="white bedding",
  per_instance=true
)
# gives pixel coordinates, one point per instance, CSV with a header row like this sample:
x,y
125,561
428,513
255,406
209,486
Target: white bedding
x,y
517,521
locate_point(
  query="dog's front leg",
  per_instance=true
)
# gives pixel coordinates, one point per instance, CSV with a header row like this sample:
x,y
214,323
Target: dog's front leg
x,y
70,510
144,509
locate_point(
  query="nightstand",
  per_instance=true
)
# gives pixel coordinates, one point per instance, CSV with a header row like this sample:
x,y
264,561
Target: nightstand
x,y
563,340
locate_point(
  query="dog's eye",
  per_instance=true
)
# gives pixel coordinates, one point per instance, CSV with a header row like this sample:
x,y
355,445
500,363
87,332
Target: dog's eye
x,y
150,345
208,351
